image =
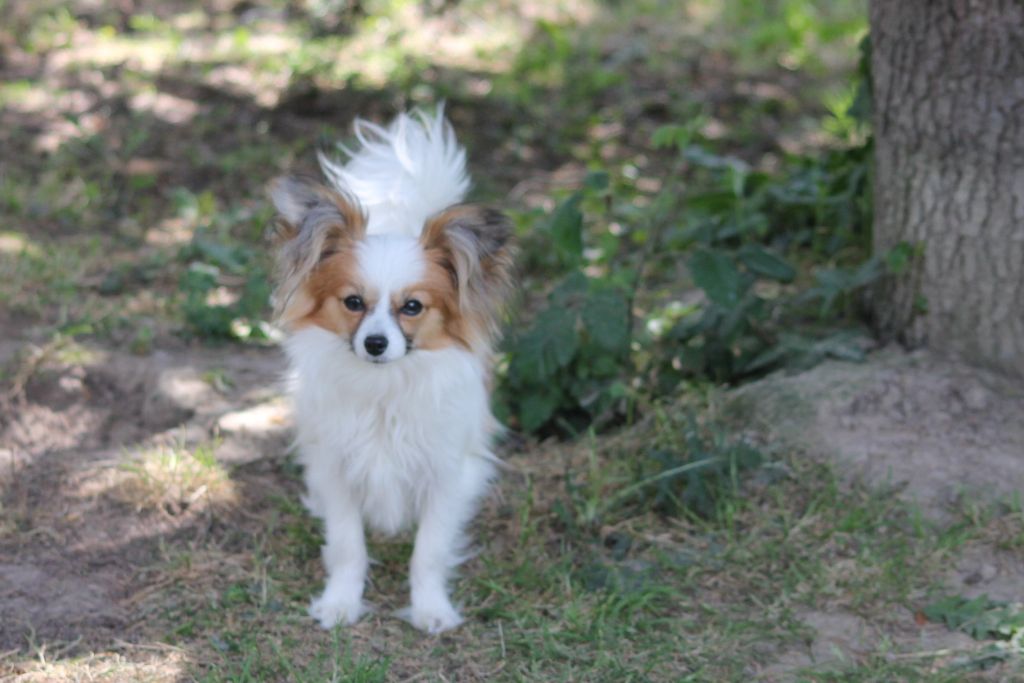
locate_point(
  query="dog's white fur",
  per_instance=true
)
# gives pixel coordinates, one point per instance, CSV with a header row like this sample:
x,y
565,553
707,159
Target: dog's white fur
x,y
404,173
401,443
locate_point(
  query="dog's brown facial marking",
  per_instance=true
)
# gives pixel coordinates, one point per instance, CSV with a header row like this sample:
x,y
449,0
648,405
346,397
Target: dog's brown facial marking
x,y
339,300
471,247
315,234
456,297
428,312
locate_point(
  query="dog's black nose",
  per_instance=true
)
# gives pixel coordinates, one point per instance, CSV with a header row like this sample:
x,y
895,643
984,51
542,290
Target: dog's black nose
x,y
376,344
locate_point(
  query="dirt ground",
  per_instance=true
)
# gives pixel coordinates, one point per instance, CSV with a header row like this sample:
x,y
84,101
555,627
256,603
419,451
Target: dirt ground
x,y
75,570
928,429
936,431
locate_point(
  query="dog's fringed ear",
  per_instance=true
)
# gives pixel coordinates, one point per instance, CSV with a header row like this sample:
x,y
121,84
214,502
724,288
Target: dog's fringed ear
x,y
313,222
474,244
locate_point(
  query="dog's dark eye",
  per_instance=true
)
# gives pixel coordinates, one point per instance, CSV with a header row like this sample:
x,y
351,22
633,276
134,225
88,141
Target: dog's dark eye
x,y
354,303
412,307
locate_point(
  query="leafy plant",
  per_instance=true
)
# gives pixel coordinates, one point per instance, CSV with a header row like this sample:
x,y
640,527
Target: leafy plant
x,y
561,69
232,319
571,367
225,290
694,472
790,32
781,260
748,233
688,468
573,362
981,617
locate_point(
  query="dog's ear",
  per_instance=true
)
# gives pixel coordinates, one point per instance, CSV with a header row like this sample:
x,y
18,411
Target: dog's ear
x,y
474,244
307,209
313,222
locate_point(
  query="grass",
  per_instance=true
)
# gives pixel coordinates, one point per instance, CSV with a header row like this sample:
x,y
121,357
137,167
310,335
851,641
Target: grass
x,y
174,478
631,596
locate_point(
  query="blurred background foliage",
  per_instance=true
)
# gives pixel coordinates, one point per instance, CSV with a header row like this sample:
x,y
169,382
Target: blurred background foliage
x,y
690,179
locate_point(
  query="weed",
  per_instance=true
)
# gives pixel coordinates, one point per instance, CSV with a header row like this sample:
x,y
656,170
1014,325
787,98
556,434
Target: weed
x,y
174,478
982,619
738,232
682,468
793,33
226,289
573,360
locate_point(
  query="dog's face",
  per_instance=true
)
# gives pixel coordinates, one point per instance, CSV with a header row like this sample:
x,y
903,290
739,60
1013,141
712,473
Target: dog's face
x,y
388,295
383,297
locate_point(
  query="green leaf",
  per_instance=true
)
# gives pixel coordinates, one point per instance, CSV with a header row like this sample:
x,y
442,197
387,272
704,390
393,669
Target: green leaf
x,y
671,136
834,279
736,321
737,180
715,273
567,230
199,278
548,345
831,283
763,262
664,136
603,366
898,258
980,617
698,156
596,180
255,296
537,408
559,330
866,273
570,291
606,318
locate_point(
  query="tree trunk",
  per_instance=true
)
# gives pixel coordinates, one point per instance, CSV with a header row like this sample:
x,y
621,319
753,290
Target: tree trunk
x,y
948,83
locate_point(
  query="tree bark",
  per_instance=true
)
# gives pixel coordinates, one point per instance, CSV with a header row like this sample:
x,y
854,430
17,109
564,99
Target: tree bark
x,y
948,85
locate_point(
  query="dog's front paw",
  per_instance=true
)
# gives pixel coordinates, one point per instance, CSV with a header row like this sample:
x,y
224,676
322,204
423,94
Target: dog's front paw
x,y
432,616
331,610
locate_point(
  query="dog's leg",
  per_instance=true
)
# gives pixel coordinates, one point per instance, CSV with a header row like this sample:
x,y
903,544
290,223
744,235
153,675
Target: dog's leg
x,y
345,561
438,544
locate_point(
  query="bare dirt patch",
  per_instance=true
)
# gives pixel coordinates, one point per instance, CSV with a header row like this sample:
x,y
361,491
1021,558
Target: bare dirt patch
x,y
934,429
940,434
76,536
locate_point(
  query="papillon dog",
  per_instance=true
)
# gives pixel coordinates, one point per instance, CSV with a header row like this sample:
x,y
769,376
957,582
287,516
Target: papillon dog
x,y
389,290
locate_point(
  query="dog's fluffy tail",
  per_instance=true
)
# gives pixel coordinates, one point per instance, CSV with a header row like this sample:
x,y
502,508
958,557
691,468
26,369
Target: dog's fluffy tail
x,y
404,173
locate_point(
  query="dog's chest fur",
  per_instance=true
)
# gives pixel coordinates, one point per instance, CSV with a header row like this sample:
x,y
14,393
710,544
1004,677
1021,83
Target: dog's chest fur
x,y
389,435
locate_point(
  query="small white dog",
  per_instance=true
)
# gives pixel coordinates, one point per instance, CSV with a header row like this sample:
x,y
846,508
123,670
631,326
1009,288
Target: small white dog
x,y
389,291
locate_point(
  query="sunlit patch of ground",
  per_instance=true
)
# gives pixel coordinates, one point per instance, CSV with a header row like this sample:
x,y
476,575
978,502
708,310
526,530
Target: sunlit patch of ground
x,y
156,662
174,478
